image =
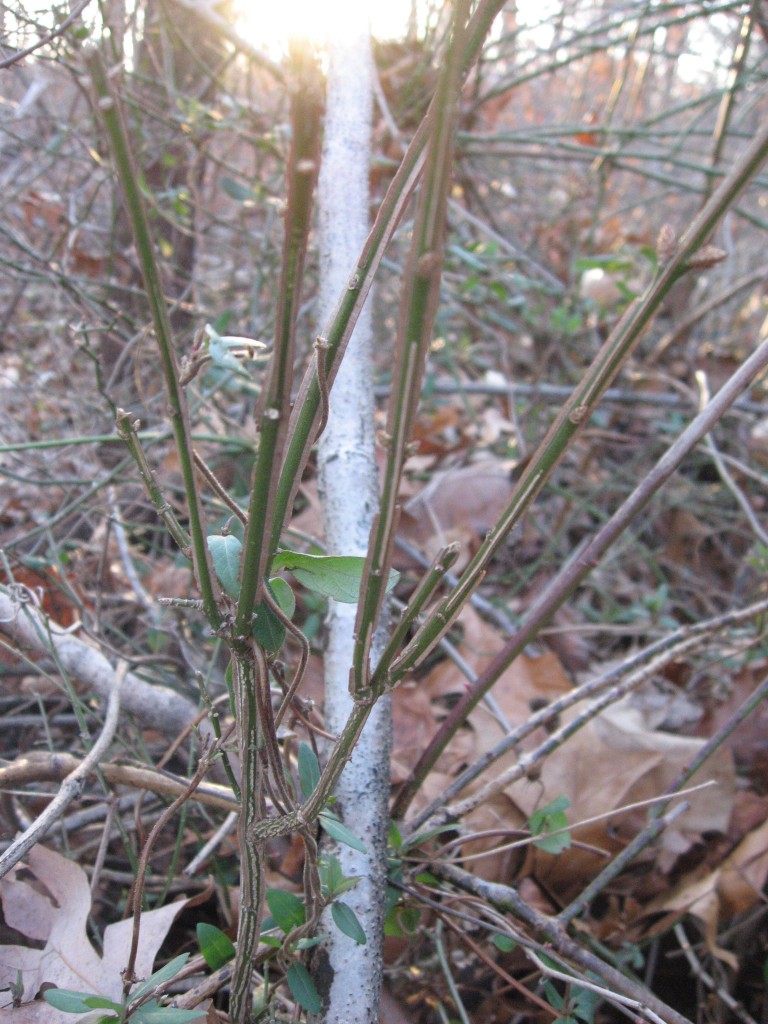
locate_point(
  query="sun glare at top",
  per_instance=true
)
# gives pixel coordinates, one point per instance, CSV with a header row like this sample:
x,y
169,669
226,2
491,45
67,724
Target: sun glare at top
x,y
269,26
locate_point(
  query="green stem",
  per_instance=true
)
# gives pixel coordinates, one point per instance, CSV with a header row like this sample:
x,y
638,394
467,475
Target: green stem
x,y
309,402
127,429
129,179
262,533
251,675
419,301
579,407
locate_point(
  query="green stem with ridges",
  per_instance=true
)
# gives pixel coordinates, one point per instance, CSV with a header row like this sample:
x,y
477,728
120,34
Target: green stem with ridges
x,y
125,166
261,536
308,406
419,301
250,674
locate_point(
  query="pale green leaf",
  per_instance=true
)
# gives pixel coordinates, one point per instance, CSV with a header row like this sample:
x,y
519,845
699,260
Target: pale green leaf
x,y
347,922
336,576
225,552
331,824
309,770
303,988
170,970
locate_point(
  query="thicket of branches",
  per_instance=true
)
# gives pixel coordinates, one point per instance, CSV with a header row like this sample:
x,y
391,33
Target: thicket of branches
x,y
567,292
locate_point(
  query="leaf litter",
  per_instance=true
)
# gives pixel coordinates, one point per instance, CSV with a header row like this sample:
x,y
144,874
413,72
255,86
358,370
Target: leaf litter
x,y
53,908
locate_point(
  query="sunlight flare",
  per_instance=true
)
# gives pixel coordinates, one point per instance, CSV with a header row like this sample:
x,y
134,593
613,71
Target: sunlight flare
x,y
270,26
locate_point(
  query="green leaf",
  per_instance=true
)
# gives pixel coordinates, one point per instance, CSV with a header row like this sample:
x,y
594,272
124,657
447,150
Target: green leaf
x,y
331,824
102,1003
303,988
67,1001
267,627
395,837
225,552
333,879
408,919
551,818
504,943
309,770
170,970
236,190
336,576
286,908
553,997
283,595
347,922
424,837
310,942
216,947
154,1014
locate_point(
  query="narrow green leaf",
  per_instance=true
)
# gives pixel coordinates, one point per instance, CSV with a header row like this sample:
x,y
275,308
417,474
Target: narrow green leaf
x,y
170,970
336,576
310,942
216,947
286,908
165,1015
303,988
225,552
331,824
102,1003
394,837
347,922
66,1001
423,837
309,770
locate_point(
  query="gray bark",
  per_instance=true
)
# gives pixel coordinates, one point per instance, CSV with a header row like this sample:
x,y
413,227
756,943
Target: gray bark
x,y
348,975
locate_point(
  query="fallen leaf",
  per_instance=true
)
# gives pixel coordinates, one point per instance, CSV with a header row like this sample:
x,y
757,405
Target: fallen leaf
x,y
612,762
732,888
57,914
458,504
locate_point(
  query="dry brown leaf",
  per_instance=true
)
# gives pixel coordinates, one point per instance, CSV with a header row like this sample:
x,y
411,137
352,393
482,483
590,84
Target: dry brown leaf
x,y
610,763
414,724
459,504
733,887
58,916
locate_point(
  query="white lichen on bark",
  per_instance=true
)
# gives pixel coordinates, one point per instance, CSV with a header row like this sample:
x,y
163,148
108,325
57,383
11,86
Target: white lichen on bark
x,y
351,974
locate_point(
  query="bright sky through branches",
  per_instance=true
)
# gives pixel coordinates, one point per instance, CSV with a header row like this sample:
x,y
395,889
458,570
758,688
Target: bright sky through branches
x,y
269,25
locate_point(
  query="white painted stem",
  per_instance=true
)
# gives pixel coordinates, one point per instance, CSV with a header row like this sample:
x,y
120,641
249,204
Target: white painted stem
x,y
350,976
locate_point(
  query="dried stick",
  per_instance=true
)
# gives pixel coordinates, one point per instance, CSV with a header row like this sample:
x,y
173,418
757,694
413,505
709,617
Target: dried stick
x,y
72,785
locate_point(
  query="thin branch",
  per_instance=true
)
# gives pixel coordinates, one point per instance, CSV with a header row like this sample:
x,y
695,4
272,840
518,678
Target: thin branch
x,y
48,38
506,898
72,786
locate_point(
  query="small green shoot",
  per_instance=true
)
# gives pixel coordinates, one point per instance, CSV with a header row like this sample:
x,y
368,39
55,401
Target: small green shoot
x,y
551,819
